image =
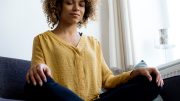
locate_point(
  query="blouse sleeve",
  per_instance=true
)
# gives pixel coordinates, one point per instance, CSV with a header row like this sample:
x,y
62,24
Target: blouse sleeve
x,y
37,52
108,79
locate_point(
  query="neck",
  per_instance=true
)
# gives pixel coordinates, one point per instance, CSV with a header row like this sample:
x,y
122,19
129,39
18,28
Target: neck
x,y
69,30
68,33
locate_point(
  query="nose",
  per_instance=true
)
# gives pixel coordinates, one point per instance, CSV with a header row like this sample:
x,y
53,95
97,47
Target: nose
x,y
76,7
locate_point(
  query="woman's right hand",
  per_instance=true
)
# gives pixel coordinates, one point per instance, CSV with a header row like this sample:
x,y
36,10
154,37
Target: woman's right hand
x,y
37,74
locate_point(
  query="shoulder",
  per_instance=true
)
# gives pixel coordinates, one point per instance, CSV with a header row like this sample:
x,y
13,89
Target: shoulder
x,y
42,36
92,39
92,42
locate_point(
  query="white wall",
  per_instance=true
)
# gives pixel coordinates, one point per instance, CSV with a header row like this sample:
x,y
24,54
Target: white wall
x,y
20,21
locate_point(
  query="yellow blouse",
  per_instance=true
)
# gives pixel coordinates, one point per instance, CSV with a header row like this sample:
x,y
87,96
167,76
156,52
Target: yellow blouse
x,y
82,69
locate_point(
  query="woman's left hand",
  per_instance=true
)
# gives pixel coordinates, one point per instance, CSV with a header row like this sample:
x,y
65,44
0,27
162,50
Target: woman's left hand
x,y
146,72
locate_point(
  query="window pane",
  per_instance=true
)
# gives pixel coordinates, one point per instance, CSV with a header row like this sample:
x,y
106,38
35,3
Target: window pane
x,y
148,17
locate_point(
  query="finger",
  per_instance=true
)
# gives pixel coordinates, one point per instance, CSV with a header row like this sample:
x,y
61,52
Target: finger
x,y
162,82
147,74
159,83
155,71
48,72
37,77
41,74
32,78
158,78
27,77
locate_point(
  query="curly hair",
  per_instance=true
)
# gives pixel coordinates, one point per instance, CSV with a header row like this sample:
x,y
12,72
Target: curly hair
x,y
52,11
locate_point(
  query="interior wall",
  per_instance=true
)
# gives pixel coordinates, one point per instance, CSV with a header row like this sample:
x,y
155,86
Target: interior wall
x,y
20,20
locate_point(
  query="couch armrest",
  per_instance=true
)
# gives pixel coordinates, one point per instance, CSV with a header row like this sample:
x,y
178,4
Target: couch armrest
x,y
12,77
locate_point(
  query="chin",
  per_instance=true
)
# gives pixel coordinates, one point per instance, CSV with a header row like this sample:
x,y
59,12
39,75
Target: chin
x,y
75,22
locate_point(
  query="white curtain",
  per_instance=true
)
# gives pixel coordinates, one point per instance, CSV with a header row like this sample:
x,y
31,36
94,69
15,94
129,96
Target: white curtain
x,y
120,38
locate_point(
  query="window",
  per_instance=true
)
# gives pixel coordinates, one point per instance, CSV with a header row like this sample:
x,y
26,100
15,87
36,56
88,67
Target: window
x,y
174,23
148,17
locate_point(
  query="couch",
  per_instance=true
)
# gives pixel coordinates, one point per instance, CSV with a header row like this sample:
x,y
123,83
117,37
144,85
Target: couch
x,y
12,80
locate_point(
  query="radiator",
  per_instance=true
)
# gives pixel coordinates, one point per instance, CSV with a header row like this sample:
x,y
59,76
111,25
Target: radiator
x,y
170,69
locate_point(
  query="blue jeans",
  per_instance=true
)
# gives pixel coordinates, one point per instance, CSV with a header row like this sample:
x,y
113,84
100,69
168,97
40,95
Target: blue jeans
x,y
137,89
50,91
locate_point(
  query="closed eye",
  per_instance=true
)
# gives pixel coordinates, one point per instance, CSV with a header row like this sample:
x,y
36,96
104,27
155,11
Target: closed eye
x,y
82,4
69,2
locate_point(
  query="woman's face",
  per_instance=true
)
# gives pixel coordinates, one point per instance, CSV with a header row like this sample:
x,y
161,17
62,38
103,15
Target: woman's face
x,y
72,11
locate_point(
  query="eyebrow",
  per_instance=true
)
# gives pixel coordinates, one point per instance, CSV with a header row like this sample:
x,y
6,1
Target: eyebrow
x,y
73,0
68,0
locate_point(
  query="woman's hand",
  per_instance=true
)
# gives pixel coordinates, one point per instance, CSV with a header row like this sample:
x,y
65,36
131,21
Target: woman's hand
x,y
37,74
146,72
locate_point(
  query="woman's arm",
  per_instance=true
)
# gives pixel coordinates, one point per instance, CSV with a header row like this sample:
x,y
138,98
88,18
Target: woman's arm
x,y
39,70
111,81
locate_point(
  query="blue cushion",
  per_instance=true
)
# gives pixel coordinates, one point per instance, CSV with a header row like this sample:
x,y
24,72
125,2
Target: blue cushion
x,y
141,64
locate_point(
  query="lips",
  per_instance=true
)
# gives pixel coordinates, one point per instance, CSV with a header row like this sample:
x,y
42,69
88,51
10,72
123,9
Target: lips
x,y
75,14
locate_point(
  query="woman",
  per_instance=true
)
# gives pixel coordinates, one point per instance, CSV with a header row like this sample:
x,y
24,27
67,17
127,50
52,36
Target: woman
x,y
69,66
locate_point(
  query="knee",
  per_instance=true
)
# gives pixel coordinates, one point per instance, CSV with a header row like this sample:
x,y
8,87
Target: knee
x,y
150,87
144,79
31,85
33,92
